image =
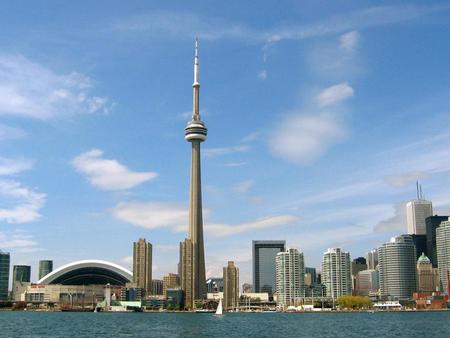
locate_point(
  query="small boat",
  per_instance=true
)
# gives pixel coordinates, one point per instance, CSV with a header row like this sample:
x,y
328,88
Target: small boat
x,y
219,310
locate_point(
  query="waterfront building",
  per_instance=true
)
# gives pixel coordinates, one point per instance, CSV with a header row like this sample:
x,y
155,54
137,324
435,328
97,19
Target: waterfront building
x,y
157,287
264,254
372,259
358,264
45,267
130,293
310,276
416,213
20,279
427,276
290,274
397,266
192,251
170,281
230,286
4,275
443,254
175,298
247,288
214,284
432,223
336,274
367,282
142,265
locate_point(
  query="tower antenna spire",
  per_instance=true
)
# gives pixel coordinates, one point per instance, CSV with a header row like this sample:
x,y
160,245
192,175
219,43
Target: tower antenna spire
x,y
417,187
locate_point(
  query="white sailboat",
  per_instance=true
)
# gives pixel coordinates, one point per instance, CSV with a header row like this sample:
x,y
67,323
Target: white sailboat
x,y
219,310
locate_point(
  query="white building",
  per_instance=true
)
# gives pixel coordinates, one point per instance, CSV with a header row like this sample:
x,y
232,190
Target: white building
x,y
416,213
443,253
372,259
290,272
397,266
336,274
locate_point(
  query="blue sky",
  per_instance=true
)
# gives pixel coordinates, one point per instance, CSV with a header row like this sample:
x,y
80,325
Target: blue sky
x,y
321,117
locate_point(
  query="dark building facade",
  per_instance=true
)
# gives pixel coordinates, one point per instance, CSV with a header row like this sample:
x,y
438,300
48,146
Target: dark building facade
x,y
45,267
313,274
4,275
420,242
264,254
21,273
432,223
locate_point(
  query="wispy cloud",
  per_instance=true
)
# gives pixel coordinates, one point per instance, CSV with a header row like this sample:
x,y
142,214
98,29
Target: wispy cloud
x,y
25,202
152,215
405,179
244,186
235,164
220,230
349,41
10,133
262,75
19,241
335,94
108,174
32,90
212,152
394,223
13,166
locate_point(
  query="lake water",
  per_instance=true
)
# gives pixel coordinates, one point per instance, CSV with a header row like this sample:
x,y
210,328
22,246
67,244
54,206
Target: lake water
x,y
67,324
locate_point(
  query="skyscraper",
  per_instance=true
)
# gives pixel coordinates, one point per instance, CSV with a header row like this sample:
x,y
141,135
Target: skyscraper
x,y
192,260
372,259
4,275
264,254
416,213
310,276
21,275
230,286
157,287
142,265
290,274
443,254
397,266
427,276
45,267
432,223
358,264
367,282
336,273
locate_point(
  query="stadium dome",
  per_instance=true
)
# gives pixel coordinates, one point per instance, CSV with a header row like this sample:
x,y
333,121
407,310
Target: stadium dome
x,y
88,272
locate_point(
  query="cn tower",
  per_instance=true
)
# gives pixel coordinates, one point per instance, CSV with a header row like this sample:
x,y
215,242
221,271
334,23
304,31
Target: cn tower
x,y
192,252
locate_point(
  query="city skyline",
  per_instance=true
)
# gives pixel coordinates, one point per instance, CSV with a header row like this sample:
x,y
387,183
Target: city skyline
x,y
90,120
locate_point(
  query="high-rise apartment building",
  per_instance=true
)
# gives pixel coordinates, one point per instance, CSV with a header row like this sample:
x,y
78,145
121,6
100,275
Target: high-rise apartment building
x,y
230,286
336,274
142,265
367,282
45,267
432,223
290,274
397,266
192,251
372,259
170,281
416,213
427,276
4,275
443,254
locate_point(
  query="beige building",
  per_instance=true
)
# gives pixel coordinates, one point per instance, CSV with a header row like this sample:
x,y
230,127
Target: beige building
x,y
230,286
142,265
427,276
170,281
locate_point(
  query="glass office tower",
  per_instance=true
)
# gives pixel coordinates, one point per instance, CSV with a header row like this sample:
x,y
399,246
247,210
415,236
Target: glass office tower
x,y
4,275
264,254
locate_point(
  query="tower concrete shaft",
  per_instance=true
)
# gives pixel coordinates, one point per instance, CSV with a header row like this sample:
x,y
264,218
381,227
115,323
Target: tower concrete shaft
x,y
193,278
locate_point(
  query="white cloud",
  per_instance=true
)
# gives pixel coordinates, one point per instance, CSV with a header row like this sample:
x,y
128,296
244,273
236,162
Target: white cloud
x,y
262,75
212,152
10,133
152,215
335,94
25,203
219,230
32,90
349,41
403,180
244,186
304,138
109,174
18,241
396,222
10,167
235,164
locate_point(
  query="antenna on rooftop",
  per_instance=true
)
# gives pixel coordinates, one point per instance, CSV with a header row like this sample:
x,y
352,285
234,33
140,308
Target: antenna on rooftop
x,y
417,186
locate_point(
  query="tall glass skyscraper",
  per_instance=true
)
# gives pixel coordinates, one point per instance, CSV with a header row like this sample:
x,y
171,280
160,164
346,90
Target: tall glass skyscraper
x,y
4,275
21,273
264,254
45,267
397,266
